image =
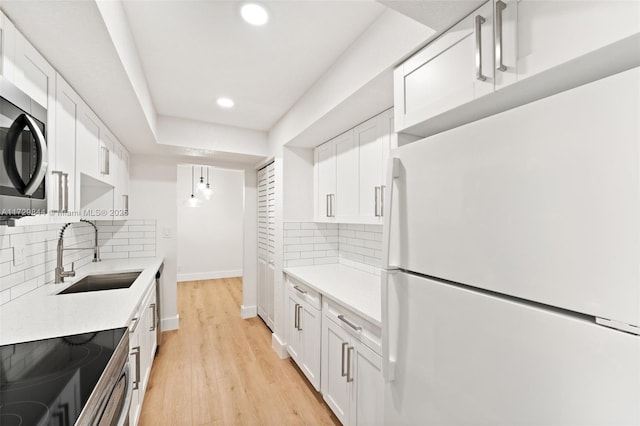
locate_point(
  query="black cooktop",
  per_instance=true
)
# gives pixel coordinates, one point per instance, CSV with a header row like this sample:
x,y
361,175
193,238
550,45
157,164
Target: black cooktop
x,y
49,381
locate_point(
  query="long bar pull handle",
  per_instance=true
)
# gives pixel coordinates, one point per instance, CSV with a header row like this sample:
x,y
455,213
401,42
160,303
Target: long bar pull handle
x,y
376,211
299,290
349,375
328,197
299,322
136,381
349,323
479,21
153,326
344,370
133,329
66,192
105,160
500,6
333,207
382,200
60,191
296,318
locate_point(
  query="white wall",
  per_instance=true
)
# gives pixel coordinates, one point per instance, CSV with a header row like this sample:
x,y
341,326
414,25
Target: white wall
x,y
152,195
210,235
250,252
297,184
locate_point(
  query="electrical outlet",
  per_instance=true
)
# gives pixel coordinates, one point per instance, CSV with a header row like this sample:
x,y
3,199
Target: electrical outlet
x,y
166,232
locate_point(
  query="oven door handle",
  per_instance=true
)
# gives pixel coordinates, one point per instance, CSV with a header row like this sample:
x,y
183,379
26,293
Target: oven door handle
x,y
9,154
127,401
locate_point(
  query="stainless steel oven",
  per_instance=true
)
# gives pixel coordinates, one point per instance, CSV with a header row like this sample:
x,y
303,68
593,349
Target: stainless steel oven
x,y
80,379
23,148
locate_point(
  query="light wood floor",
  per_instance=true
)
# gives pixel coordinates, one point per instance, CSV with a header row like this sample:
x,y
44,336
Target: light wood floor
x,y
219,369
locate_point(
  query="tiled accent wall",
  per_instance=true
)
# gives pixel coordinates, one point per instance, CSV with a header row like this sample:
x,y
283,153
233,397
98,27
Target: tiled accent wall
x,y
355,245
360,246
117,239
309,243
123,239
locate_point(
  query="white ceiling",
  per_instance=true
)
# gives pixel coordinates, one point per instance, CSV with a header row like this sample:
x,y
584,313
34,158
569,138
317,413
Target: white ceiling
x,y
193,52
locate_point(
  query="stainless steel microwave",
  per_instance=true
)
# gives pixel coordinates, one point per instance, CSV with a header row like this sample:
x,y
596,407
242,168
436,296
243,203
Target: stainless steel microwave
x,y
23,148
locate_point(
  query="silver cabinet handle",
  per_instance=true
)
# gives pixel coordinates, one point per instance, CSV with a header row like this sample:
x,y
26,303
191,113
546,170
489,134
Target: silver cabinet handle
x,y
60,191
299,290
299,322
136,381
125,204
327,204
344,370
500,6
136,320
376,196
382,200
333,205
349,323
479,21
296,318
105,160
66,192
349,376
153,326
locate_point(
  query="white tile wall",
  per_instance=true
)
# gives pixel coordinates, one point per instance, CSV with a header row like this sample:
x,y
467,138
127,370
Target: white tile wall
x,y
117,239
309,243
360,246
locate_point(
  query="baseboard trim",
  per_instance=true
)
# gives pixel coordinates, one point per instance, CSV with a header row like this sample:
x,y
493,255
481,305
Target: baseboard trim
x,y
248,311
279,346
211,275
168,324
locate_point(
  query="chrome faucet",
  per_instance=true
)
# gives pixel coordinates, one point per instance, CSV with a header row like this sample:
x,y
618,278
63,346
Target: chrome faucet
x,y
61,274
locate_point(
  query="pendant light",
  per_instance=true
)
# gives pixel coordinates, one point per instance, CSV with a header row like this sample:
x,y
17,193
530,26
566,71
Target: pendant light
x,y
207,192
201,185
193,201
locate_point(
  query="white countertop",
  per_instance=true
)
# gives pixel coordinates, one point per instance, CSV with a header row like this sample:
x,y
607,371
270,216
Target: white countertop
x,y
43,313
356,290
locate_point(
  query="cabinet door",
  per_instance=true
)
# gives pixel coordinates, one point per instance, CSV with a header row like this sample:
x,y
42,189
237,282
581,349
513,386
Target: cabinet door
x,y
325,169
135,369
62,173
262,289
335,388
370,143
451,71
8,33
34,75
310,323
270,296
294,338
367,391
106,158
552,32
88,143
152,309
344,204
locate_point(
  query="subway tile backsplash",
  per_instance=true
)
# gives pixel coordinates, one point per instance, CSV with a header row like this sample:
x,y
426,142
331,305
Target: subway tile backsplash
x,y
117,240
355,245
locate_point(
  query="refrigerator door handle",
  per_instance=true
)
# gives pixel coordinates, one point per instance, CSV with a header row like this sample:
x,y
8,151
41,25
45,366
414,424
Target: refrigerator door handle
x,y
392,174
389,324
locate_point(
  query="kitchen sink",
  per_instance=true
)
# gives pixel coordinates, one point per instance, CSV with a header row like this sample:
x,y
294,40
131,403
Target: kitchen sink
x,y
103,282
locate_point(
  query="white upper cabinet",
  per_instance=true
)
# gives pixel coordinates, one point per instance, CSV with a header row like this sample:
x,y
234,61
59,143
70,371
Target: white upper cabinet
x,y
350,173
62,170
553,32
452,70
563,43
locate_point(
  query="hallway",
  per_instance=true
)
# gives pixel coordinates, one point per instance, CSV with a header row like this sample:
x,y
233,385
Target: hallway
x,y
219,369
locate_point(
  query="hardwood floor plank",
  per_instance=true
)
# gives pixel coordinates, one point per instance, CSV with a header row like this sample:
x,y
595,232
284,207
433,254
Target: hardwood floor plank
x,y
219,369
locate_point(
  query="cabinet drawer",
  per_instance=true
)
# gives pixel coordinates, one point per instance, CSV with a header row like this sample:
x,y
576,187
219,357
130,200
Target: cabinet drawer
x,y
363,330
304,292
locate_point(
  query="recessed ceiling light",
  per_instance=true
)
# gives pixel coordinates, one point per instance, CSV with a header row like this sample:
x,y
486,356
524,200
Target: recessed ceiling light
x,y
254,14
225,102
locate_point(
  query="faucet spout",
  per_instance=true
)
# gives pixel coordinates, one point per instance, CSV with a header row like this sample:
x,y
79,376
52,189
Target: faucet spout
x,y
60,273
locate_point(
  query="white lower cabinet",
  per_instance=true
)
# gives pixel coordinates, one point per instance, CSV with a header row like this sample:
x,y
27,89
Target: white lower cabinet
x,y
303,329
142,349
352,382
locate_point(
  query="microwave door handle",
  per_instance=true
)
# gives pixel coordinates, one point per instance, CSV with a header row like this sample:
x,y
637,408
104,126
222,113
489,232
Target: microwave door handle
x,y
43,155
9,155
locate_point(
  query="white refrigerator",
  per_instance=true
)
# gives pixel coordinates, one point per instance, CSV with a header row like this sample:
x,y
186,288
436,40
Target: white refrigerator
x,y
511,294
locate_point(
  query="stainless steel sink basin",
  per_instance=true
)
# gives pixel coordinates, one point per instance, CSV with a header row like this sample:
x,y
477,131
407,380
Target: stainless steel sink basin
x,y
103,282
